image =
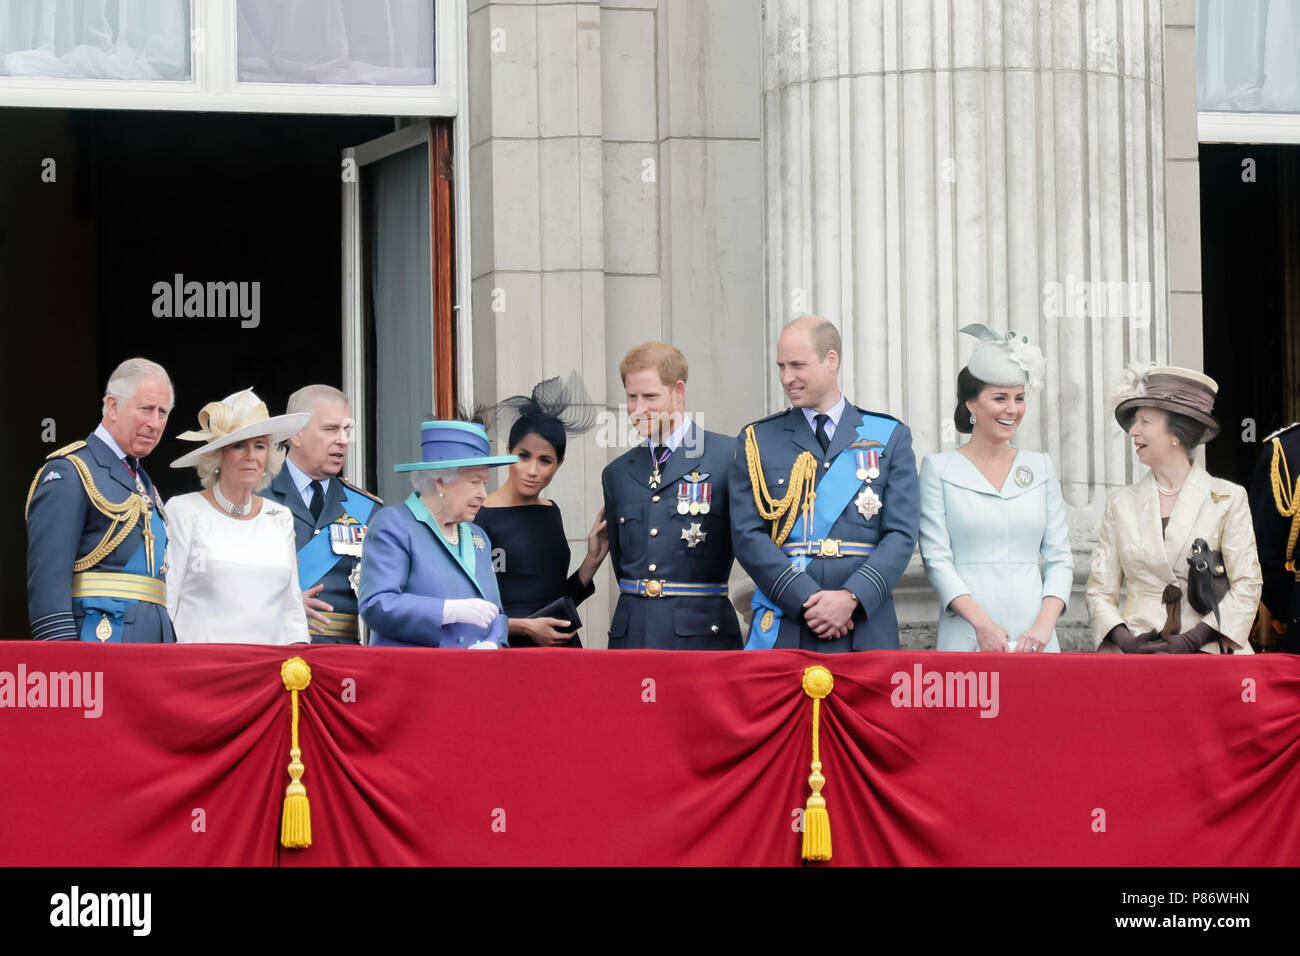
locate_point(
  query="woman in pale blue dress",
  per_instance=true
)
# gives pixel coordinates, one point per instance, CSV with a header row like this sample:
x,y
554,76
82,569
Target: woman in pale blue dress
x,y
994,535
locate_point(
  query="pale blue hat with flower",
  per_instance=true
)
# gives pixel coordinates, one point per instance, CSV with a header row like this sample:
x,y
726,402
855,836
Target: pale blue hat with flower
x,y
1006,360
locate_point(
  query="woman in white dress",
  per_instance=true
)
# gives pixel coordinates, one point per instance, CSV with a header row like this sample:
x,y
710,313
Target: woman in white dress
x,y
232,565
994,535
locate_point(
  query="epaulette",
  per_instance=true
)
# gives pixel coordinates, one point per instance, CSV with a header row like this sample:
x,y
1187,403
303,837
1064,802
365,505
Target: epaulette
x,y
878,414
374,498
66,450
774,415
1284,428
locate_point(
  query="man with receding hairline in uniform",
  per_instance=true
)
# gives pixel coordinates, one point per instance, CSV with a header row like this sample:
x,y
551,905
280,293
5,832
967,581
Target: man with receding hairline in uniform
x,y
825,504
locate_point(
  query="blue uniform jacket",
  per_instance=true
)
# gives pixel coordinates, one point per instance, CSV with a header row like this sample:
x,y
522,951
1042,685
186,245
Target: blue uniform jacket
x,y
646,543
408,571
338,589
63,526
893,531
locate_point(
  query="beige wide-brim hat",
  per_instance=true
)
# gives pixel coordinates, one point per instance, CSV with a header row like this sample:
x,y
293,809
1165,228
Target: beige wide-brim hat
x,y
1171,388
237,418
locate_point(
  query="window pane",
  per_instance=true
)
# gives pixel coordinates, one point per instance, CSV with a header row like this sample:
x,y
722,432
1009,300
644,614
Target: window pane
x,y
377,42
96,39
1246,56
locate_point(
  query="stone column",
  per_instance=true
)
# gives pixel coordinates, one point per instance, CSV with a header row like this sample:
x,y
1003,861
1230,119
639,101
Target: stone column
x,y
929,165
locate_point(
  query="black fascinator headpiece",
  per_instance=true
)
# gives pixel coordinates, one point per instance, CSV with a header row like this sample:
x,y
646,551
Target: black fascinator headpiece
x,y
555,410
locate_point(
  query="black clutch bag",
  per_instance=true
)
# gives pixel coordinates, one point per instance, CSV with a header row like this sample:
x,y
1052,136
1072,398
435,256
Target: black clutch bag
x,y
1207,579
564,609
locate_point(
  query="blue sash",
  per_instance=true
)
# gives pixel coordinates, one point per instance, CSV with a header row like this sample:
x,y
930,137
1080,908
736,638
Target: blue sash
x,y
97,607
836,489
317,557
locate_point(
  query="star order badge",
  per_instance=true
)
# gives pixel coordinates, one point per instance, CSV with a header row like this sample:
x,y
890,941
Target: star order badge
x,y
693,535
868,503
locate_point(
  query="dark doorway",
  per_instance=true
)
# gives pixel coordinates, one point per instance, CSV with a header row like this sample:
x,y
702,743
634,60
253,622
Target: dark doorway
x,y
135,199
1250,274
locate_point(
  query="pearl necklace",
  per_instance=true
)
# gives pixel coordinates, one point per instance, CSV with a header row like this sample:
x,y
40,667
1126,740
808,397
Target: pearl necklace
x,y
1166,491
228,506
453,539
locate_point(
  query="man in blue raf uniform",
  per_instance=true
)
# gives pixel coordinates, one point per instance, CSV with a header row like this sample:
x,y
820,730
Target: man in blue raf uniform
x,y
666,506
96,537
1275,511
825,504
329,514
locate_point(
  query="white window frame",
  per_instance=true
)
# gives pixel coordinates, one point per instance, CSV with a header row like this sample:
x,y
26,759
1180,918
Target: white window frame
x,y
214,69
1214,127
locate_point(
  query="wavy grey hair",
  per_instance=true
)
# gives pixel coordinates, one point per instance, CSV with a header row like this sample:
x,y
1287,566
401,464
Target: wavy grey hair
x,y
124,380
424,481
209,466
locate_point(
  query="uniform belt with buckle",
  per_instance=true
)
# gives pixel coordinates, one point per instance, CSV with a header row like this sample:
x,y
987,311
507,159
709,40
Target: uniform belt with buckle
x,y
340,625
828,548
119,584
655,589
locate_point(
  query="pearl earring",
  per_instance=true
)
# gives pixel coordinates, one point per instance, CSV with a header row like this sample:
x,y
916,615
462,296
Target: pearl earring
x,y
972,418
1175,441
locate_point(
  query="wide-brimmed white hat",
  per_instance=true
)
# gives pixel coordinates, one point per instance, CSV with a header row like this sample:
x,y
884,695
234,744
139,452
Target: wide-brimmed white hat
x,y
234,419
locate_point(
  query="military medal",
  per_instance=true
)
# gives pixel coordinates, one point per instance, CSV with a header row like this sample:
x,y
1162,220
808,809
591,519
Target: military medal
x,y
1024,476
693,535
346,535
103,630
868,503
706,494
695,499
683,495
656,476
873,465
861,456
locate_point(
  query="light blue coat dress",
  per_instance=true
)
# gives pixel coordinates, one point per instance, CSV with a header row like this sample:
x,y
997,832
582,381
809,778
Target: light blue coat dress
x,y
1008,549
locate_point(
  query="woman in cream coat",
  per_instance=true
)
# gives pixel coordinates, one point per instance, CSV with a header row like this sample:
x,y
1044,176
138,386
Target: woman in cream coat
x,y
1148,528
994,535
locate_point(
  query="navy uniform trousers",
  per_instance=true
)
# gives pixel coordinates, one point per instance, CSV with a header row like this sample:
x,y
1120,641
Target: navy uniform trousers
x,y
892,532
64,526
654,548
338,592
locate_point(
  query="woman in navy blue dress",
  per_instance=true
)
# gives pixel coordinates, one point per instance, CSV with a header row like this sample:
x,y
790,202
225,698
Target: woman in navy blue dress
x,y
530,551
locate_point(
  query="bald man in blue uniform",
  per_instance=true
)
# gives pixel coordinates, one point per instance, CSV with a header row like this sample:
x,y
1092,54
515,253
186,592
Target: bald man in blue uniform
x,y
825,507
96,531
330,515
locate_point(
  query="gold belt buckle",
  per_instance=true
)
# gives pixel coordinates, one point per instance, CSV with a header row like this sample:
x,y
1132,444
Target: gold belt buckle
x,y
654,589
829,548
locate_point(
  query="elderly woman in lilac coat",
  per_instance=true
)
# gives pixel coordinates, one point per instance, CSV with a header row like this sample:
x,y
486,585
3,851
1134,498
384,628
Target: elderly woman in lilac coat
x,y
426,568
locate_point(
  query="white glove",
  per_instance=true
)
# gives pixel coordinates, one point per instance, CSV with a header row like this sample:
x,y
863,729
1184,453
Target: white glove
x,y
483,645
474,611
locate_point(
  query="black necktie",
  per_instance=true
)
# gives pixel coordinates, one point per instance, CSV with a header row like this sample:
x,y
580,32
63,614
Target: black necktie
x,y
132,465
317,499
823,439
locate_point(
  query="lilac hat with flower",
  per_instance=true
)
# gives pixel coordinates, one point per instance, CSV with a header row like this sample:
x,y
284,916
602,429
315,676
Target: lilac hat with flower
x,y
1005,360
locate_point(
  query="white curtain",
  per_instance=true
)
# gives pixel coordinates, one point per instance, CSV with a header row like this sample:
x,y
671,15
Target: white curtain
x,y
380,42
96,39
1248,55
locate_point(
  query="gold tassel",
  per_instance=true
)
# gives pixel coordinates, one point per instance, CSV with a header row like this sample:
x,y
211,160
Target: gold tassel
x,y
295,824
817,683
